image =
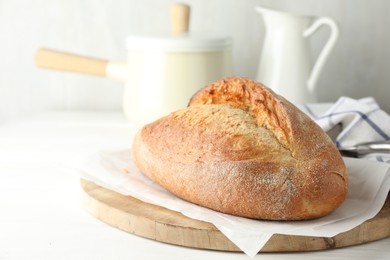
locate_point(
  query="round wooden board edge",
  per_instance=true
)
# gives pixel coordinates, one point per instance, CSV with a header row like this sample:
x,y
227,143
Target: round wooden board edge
x,y
157,223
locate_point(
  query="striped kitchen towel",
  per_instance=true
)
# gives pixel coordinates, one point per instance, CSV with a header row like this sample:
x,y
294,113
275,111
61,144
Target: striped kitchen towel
x,y
358,120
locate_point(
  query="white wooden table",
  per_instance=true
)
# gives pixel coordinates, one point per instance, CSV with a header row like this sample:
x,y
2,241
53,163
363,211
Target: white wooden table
x,y
41,215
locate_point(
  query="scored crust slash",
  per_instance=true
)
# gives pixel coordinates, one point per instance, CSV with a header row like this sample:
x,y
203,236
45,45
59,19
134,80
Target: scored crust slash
x,y
241,149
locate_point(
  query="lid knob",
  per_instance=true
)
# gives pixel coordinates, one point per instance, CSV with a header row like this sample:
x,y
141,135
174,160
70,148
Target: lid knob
x,y
180,18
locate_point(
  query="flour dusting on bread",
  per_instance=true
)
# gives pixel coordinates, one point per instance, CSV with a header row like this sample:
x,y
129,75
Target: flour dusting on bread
x,y
241,149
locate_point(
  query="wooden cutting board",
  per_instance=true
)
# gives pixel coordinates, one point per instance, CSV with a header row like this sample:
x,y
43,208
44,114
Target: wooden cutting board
x,y
161,224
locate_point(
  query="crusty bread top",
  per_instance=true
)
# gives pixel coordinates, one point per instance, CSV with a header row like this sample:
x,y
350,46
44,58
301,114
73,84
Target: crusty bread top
x,y
292,128
241,149
213,133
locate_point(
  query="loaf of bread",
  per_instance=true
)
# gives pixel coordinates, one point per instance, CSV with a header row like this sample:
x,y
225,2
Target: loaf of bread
x,y
241,149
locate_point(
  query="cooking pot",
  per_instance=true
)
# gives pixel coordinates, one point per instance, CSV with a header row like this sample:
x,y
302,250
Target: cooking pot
x,y
162,71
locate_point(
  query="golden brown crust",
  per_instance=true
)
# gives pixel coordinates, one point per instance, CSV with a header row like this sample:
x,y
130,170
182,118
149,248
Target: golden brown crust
x,y
241,149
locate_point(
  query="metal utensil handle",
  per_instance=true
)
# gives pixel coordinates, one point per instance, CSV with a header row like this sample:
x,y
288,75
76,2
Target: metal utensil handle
x,y
367,148
380,147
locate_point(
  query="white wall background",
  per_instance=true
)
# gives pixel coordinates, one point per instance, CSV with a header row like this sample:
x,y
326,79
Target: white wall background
x,y
358,67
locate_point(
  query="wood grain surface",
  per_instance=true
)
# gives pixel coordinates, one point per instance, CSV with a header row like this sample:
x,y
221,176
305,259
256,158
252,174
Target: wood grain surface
x,y
161,224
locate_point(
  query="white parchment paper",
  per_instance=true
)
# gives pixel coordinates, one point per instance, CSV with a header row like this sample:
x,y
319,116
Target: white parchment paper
x,y
369,184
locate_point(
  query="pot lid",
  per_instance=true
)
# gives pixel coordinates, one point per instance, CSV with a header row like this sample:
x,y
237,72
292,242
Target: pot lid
x,y
184,42
180,39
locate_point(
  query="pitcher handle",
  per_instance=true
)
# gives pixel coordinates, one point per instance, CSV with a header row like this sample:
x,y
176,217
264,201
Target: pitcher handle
x,y
334,34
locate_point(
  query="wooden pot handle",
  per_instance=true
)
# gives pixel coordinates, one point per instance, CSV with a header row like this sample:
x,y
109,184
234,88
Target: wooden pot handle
x,y
57,60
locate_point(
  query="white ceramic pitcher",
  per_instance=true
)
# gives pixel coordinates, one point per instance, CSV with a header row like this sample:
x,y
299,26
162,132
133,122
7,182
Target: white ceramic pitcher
x,y
286,63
